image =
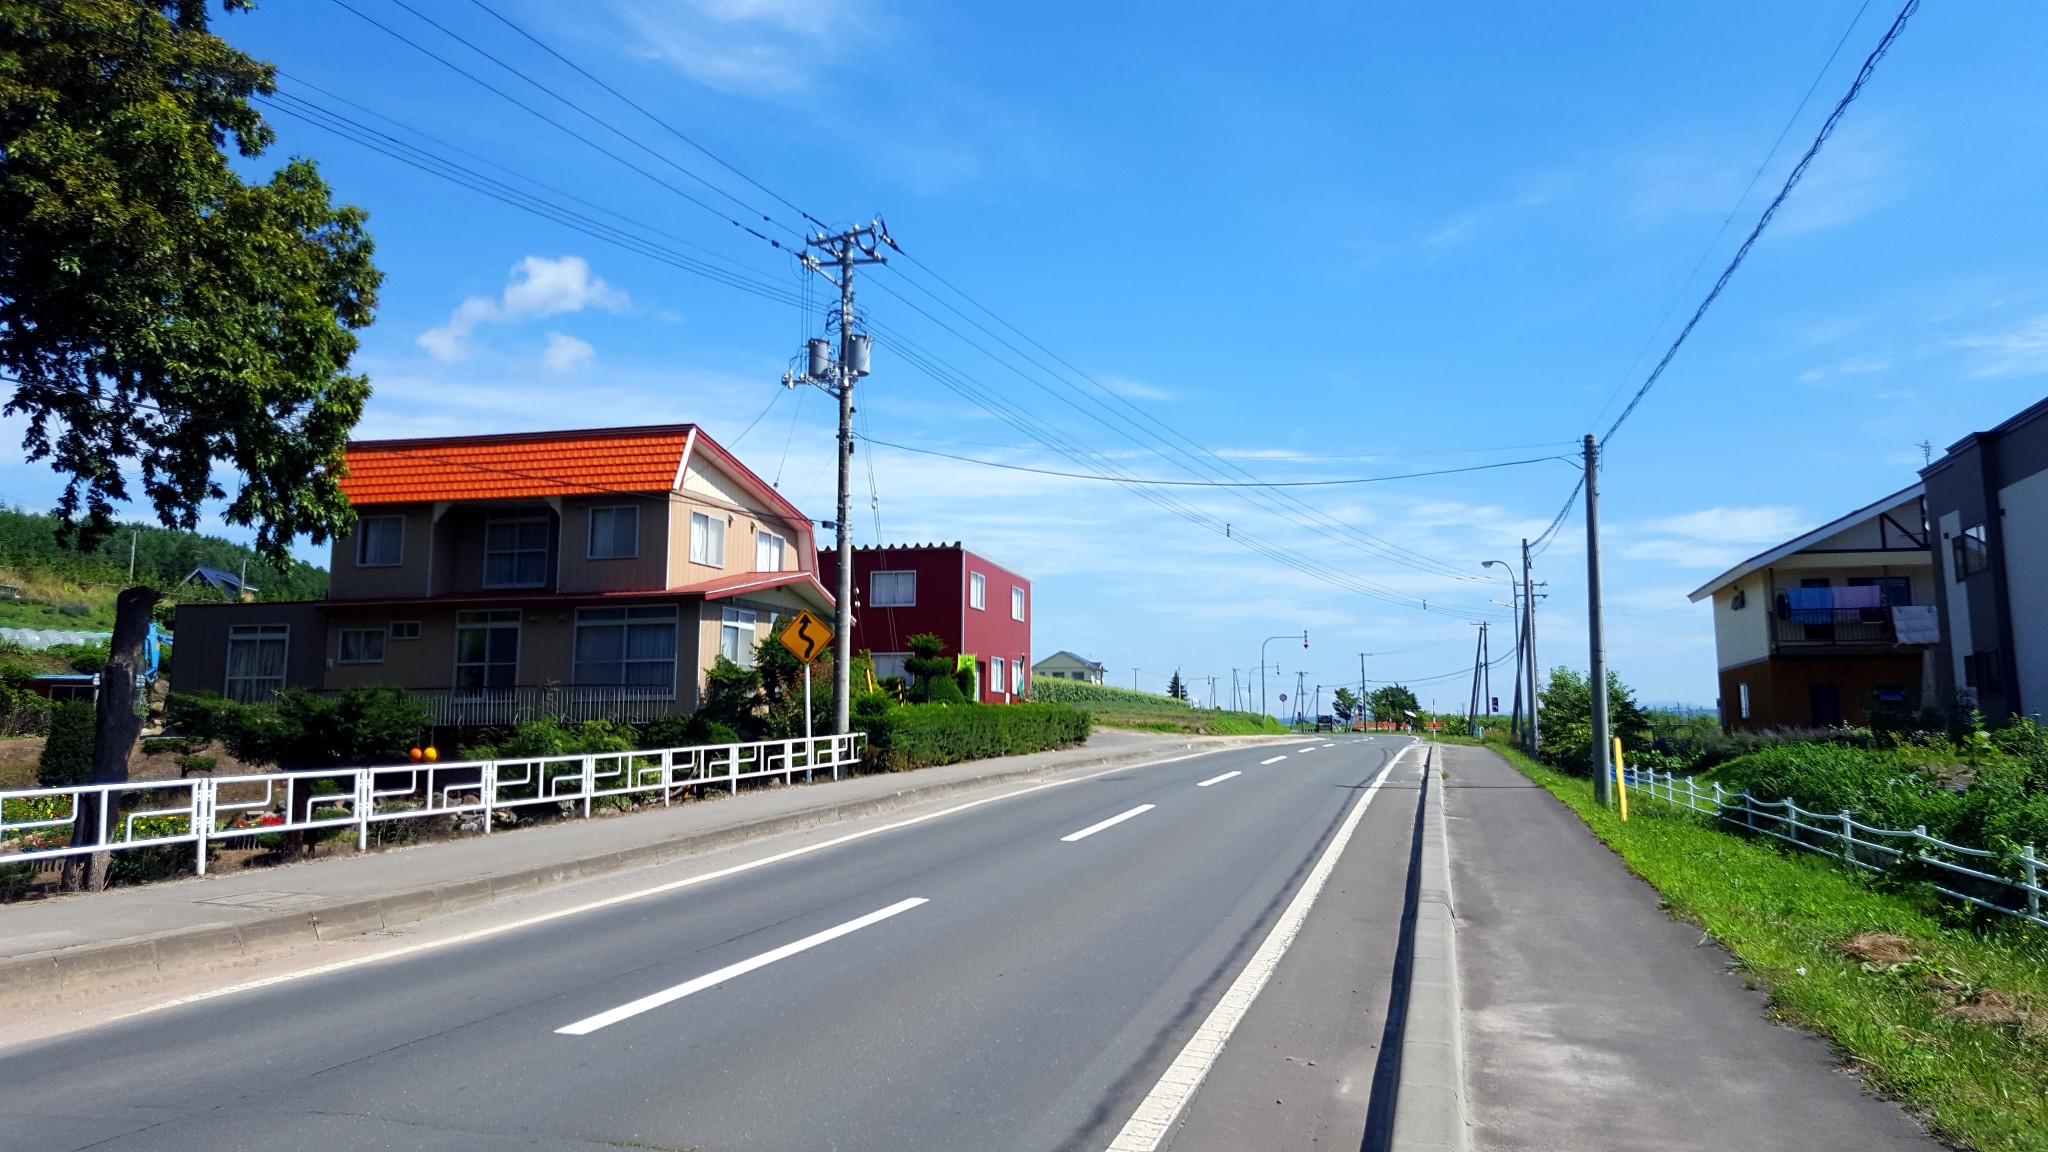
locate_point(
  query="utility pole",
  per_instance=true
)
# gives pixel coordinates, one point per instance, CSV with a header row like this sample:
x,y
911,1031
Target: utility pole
x,y
1477,704
1300,683
1361,685
1262,670
132,538
1233,689
1529,649
837,256
1603,764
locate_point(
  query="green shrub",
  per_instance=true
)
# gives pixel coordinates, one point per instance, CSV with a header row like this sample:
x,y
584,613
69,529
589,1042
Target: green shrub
x,y
1869,784
548,736
922,735
375,724
187,765
935,677
1567,704
67,753
87,658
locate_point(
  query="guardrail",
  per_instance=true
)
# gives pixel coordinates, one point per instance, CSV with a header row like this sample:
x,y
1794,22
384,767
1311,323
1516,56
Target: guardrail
x,y
1954,870
38,823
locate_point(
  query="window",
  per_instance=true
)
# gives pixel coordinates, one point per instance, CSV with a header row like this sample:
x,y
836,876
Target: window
x,y
361,646
1017,676
1016,603
1738,602
1742,695
405,629
614,533
707,539
627,647
892,590
1981,672
516,550
769,551
487,648
998,674
256,654
889,664
1972,552
736,636
977,591
380,541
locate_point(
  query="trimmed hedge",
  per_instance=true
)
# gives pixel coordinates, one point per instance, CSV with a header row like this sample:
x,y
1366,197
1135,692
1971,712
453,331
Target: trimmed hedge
x,y
924,735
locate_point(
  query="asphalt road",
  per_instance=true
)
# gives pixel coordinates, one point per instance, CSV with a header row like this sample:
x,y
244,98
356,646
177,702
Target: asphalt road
x,y
1017,975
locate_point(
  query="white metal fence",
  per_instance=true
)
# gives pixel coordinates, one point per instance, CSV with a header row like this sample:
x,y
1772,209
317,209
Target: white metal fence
x,y
1954,870
38,823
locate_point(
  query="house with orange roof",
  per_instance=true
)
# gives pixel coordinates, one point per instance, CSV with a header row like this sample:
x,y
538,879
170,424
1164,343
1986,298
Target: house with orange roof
x,y
583,575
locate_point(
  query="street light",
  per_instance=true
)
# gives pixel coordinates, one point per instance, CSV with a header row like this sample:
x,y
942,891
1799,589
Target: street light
x,y
1521,629
1262,665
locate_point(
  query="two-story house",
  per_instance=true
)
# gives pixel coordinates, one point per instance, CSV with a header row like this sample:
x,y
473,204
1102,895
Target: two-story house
x,y
978,607
1064,665
579,574
1814,632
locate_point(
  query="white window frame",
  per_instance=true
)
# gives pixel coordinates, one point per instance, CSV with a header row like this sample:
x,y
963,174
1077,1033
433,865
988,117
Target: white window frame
x,y
1017,669
998,674
491,619
1016,603
261,635
1742,695
590,532
405,629
364,649
515,520
364,534
898,580
977,591
738,633
764,540
657,679
707,539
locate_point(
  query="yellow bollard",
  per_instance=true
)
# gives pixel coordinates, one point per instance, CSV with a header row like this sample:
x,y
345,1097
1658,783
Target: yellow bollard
x,y
1620,788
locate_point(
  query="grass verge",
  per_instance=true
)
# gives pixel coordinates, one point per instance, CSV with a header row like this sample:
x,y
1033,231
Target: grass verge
x,y
1949,1018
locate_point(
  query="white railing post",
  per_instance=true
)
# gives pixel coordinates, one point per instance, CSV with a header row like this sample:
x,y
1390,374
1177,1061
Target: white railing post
x,y
202,820
1848,839
365,784
2028,859
732,767
589,780
487,784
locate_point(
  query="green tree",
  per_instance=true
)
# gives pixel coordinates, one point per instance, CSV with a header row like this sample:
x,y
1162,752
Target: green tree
x,y
1392,704
67,753
934,678
1175,688
1344,703
160,316
1567,712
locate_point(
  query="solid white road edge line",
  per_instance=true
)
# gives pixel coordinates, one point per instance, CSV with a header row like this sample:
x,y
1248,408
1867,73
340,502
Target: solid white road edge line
x,y
1274,760
589,1024
1154,1118
1218,779
1119,818
641,894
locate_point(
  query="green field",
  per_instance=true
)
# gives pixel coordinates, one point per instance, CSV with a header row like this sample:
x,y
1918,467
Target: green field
x,y
1148,712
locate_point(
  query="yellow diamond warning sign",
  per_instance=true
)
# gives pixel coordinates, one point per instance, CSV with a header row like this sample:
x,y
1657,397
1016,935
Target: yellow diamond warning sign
x,y
807,637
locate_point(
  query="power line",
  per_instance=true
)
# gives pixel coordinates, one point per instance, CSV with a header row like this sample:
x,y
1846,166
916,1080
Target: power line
x,y
1827,129
1155,483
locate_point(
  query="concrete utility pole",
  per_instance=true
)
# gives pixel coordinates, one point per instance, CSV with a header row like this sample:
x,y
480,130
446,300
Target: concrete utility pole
x,y
1529,649
1361,685
1233,689
837,256
1603,763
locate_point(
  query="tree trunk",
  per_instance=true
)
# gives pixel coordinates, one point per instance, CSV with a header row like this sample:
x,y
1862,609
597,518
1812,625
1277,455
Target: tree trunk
x,y
117,726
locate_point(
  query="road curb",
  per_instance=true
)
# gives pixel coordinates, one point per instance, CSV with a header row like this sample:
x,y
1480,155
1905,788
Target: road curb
x,y
1429,1103
38,978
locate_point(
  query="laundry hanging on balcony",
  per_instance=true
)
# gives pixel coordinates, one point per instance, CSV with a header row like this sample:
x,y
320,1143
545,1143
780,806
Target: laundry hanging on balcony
x,y
1858,596
1811,605
1916,624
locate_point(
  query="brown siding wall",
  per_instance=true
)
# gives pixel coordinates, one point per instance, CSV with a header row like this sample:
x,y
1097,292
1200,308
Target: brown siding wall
x,y
646,572
199,651
1779,695
409,578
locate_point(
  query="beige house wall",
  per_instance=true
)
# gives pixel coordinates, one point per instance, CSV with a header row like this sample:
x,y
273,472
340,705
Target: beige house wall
x,y
705,489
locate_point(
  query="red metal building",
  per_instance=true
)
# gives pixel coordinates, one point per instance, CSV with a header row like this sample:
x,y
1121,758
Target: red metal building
x,y
978,606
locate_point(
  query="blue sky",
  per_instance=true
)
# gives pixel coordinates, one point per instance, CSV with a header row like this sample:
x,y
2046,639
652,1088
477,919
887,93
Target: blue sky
x,y
1321,241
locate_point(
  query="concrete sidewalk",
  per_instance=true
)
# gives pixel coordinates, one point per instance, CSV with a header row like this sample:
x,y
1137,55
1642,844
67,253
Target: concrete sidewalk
x,y
1595,1020
79,944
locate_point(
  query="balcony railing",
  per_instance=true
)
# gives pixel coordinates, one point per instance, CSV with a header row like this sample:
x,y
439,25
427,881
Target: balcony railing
x,y
506,707
1833,626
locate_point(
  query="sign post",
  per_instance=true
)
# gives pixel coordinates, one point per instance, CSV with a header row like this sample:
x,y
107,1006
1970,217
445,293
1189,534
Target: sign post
x,y
807,637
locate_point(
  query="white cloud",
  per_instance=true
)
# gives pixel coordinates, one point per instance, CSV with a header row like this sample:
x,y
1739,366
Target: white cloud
x,y
1712,537
2023,351
1135,390
750,47
1853,366
565,353
538,287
